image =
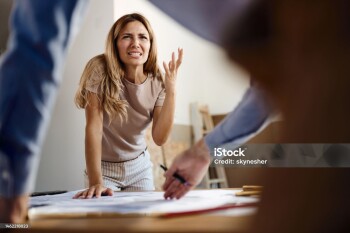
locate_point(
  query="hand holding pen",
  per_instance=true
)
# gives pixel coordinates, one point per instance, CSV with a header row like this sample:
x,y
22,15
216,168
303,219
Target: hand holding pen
x,y
191,166
176,176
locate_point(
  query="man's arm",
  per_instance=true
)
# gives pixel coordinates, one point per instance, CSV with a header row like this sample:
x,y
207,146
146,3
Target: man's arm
x,y
250,116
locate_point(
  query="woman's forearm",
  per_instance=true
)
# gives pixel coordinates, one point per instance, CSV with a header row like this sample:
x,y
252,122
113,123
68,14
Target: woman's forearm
x,y
162,124
93,156
164,116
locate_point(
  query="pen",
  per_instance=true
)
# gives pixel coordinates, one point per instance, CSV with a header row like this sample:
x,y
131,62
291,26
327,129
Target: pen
x,y
176,176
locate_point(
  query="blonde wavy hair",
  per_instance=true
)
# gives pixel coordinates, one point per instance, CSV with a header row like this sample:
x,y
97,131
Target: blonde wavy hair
x,y
111,70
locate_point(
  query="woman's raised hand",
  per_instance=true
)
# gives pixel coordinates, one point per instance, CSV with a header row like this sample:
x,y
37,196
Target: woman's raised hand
x,y
171,71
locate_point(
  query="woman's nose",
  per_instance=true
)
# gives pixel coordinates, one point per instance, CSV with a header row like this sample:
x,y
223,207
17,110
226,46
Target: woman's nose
x,y
135,43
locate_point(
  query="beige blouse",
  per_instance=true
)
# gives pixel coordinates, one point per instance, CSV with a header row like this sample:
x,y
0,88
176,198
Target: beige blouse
x,y
125,140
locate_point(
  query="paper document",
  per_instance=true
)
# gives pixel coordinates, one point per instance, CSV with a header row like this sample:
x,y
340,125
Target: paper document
x,y
136,203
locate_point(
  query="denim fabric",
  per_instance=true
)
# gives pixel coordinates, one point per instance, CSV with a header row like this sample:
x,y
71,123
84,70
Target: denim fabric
x,y
30,74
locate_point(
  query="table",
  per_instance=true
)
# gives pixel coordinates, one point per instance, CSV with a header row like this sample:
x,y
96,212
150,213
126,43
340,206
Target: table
x,y
203,223
199,223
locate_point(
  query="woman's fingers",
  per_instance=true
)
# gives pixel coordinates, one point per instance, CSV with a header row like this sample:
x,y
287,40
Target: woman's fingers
x,y
174,63
166,68
81,194
107,192
171,66
96,191
179,59
78,194
91,192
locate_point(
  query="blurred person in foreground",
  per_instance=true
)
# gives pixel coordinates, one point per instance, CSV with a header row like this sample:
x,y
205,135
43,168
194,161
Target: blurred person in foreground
x,y
30,74
298,52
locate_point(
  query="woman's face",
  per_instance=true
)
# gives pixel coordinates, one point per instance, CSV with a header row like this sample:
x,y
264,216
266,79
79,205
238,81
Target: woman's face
x,y
134,44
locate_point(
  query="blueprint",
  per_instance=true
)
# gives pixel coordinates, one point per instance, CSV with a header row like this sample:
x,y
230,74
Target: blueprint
x,y
150,203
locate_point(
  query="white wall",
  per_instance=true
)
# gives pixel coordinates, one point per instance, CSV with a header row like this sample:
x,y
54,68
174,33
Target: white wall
x,y
205,76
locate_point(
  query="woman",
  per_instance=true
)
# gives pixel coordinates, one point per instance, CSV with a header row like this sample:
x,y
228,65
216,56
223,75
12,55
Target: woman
x,y
122,91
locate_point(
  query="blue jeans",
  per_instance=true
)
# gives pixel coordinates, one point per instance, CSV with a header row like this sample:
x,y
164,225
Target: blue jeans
x,y
30,74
